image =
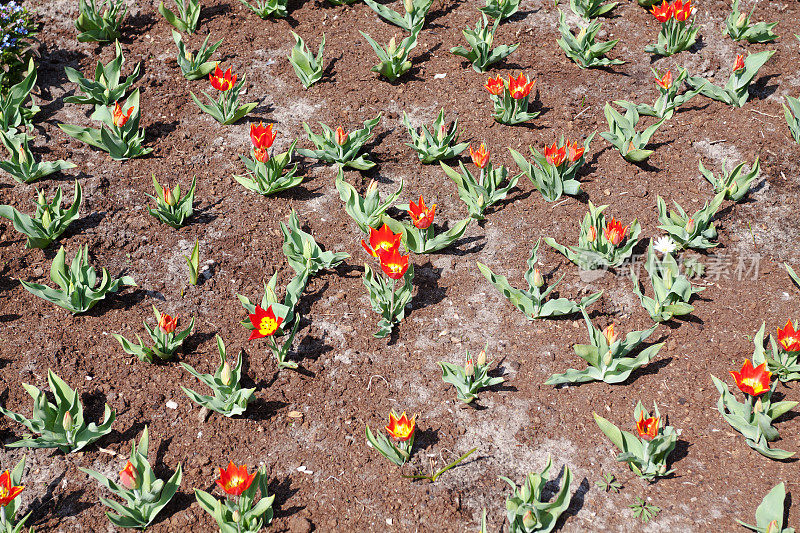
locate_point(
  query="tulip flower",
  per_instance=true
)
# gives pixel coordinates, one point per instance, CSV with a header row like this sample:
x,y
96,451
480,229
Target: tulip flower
x,y
665,82
538,279
235,480
262,136
663,12
168,323
401,428
341,136
752,381
264,322
615,232
573,151
555,155
9,492
119,117
222,82
421,216
739,63
479,157
682,11
647,427
495,86
169,197
609,334
393,263
592,234
129,477
381,240
520,87
789,337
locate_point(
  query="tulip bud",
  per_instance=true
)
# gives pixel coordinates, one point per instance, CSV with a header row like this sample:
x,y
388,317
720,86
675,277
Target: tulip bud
x,y
392,48
490,40
528,520
482,358
40,199
662,470
307,249
341,136
538,280
741,20
67,422
469,368
129,477
668,281
371,188
592,234
609,334
236,516
480,197
759,407
581,34
169,198
22,156
46,219
773,527
733,189
187,55
442,133
690,226
409,5
225,375
607,358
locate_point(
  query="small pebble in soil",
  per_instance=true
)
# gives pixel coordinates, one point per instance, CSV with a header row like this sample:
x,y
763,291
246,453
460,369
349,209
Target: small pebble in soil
x,y
172,405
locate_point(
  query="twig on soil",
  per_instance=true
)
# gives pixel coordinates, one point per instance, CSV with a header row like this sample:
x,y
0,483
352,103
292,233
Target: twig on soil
x,y
762,113
582,112
376,376
559,203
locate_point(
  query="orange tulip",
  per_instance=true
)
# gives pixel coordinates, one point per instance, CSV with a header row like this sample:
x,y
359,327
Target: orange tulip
x,y
682,11
663,12
479,157
168,323
393,263
421,216
341,136
609,334
752,381
555,155
129,477
262,136
383,239
665,82
235,480
222,82
119,117
739,63
9,492
401,428
264,322
573,152
647,428
615,232
520,87
495,86
789,337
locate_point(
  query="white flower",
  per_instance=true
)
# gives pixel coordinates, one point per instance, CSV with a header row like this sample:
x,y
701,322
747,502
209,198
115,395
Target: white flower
x,y
664,245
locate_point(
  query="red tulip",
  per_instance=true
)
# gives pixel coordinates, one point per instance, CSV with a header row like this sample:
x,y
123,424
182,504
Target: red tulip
x,y
381,240
573,152
647,428
495,86
520,87
235,480
129,477
663,12
169,198
739,63
264,322
341,136
393,263
752,381
401,428
261,155
118,117
421,216
168,323
665,82
479,157
615,232
682,11
9,492
789,337
555,154
222,82
262,136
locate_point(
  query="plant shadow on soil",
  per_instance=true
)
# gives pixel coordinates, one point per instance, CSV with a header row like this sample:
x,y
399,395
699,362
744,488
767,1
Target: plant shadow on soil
x,y
49,505
575,501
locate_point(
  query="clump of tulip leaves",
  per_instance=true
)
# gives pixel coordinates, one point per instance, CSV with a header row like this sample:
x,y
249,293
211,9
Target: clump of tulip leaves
x,y
672,290
694,231
331,148
470,378
582,48
527,510
437,143
60,425
367,211
534,301
647,456
736,183
48,222
553,180
611,357
481,192
165,344
737,90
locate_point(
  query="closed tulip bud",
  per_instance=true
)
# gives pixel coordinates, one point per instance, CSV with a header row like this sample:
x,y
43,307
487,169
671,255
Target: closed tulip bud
x,y
662,470
409,5
40,199
482,358
607,358
581,34
480,199
733,189
392,48
538,280
773,527
129,477
46,219
371,188
169,198
741,20
592,234
469,368
225,375
759,407
187,55
236,516
67,422
528,520
690,226
307,249
442,133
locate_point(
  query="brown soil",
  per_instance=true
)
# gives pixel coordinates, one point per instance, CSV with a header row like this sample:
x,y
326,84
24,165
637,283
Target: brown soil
x,y
349,378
